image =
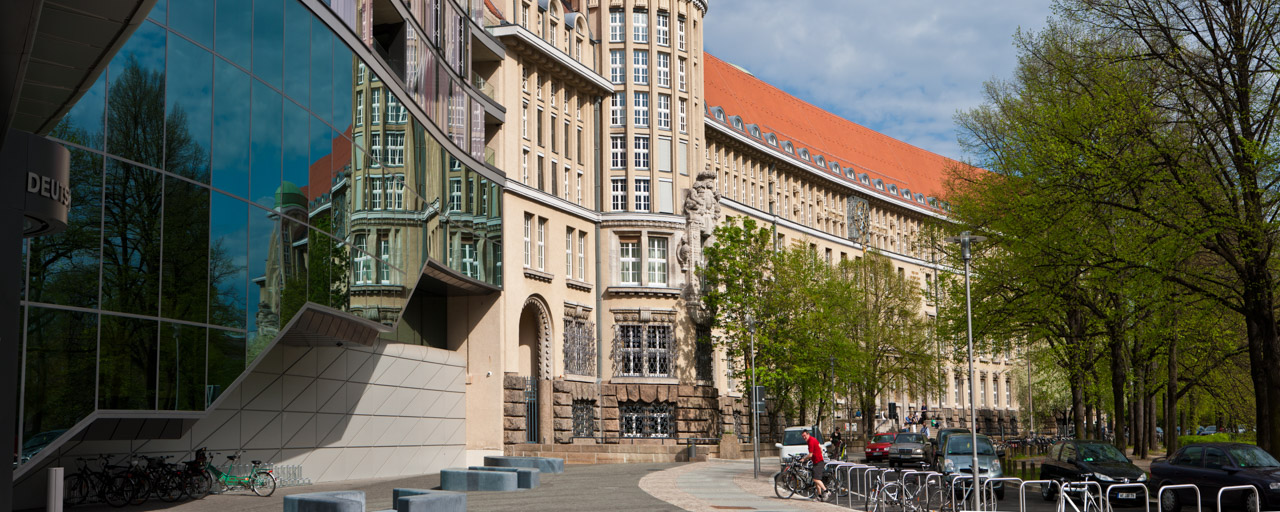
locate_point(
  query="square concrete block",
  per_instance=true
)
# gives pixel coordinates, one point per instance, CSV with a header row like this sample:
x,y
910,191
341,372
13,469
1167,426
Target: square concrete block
x,y
422,500
459,479
335,501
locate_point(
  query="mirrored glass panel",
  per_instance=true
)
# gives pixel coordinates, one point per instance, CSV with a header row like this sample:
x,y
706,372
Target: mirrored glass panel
x,y
228,261
131,222
234,30
185,260
231,115
127,367
182,367
135,101
268,40
63,268
189,107
194,19
61,373
227,360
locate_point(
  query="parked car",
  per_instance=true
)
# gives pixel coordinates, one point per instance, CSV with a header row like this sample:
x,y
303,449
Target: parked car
x,y
1212,466
957,458
38,442
1081,460
909,448
940,442
1206,431
878,448
793,442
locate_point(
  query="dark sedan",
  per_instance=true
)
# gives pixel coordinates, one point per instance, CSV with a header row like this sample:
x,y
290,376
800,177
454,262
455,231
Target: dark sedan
x,y
1098,461
1212,466
909,448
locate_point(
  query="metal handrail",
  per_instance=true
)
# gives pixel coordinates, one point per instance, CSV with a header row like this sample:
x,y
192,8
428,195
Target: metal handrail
x,y
1241,488
1022,491
1146,494
1160,495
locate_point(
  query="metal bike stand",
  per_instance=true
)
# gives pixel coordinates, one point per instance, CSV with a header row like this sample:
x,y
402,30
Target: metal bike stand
x,y
1160,494
878,474
955,485
856,474
1022,491
1083,486
1146,495
1239,488
917,474
942,480
990,483
839,468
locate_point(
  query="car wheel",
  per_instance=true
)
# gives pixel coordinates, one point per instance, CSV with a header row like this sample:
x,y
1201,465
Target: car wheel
x,y
1046,492
1251,502
1169,500
1000,494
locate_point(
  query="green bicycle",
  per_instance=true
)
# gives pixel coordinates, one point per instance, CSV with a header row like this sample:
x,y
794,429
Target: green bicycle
x,y
258,479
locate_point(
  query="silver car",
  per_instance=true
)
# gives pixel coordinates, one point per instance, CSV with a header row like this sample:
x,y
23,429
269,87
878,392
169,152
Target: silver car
x,y
908,448
957,459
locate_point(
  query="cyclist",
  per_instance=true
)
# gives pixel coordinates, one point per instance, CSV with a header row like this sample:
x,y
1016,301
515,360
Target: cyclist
x,y
815,454
837,444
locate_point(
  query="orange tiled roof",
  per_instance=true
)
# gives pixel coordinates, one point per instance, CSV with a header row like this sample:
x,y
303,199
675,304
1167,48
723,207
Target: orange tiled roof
x,y
823,133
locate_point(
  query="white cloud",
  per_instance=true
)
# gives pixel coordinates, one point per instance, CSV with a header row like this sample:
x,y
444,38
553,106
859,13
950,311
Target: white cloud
x,y
903,68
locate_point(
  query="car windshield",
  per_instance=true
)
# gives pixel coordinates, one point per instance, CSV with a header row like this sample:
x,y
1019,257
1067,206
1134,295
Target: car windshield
x,y
882,438
963,445
1253,457
1100,452
909,438
793,438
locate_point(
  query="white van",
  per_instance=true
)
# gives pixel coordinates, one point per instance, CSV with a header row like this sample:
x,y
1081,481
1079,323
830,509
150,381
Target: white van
x,y
793,442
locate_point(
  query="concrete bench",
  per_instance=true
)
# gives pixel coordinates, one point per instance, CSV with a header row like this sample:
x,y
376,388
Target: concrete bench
x,y
526,478
459,479
423,500
543,464
335,501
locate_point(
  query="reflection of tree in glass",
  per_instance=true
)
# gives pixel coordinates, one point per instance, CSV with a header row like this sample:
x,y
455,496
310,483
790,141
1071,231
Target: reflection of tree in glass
x,y
324,280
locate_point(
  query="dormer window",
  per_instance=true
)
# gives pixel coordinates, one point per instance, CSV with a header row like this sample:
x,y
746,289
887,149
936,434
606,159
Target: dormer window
x,y
919,197
754,130
879,184
717,113
893,189
817,159
835,167
804,153
906,193
866,180
933,201
736,121
771,139
786,146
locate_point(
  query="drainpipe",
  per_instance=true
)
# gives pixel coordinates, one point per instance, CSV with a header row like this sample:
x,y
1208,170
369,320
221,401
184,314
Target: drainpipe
x,y
599,162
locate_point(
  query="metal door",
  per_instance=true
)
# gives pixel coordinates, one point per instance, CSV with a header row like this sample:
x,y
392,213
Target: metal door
x,y
530,410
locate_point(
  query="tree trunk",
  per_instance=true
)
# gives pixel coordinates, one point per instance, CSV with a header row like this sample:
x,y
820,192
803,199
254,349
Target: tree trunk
x,y
1119,367
1077,406
1264,358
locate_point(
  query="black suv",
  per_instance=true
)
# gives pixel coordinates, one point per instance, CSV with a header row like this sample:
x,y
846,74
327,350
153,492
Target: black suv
x,y
1092,460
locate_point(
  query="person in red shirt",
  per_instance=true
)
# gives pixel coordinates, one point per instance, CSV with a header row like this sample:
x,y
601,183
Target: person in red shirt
x,y
815,453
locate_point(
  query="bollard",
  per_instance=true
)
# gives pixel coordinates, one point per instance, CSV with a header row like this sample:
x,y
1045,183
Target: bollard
x,y
53,498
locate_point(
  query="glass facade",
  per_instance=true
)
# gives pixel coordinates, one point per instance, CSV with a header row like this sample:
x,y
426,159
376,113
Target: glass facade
x,y
233,164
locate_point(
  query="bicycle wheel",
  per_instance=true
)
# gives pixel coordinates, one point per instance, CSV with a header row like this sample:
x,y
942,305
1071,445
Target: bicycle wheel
x,y
141,489
780,486
198,485
118,491
263,483
75,489
169,487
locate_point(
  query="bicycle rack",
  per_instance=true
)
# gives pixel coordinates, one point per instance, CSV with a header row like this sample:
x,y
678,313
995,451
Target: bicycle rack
x,y
941,478
1083,487
955,486
1022,491
990,482
1160,494
848,479
928,476
1146,494
866,498
1239,488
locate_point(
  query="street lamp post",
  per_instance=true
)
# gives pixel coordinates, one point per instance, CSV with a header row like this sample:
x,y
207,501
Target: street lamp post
x,y
966,240
755,413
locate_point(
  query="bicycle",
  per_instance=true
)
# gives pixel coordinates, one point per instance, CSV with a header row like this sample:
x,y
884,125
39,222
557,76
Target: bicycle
x,y
116,489
259,480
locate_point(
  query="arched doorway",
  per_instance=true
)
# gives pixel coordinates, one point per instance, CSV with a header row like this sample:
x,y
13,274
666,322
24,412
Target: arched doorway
x,y
534,363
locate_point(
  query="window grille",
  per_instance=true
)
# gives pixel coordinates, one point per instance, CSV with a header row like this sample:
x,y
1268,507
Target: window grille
x,y
584,418
647,419
644,349
703,353
579,346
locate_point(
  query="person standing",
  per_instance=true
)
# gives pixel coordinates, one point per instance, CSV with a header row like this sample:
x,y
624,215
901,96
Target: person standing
x,y
819,465
837,444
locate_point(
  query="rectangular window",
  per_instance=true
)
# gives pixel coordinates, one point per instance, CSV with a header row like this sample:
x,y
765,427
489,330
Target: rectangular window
x,y
646,420
684,116
524,80
542,243
568,253
618,151
360,106
555,91
642,194
663,160
646,350
582,256
395,192
555,185
360,73
528,240
542,167
375,149
394,110
539,126
584,411
395,149
375,108
657,262
680,33
363,262
524,120
579,146
680,73
616,74
618,187
524,167
664,111
664,70
567,172
642,152
579,187
618,109
384,253
629,261
455,194
615,25
554,149
640,26
640,67
641,107
662,31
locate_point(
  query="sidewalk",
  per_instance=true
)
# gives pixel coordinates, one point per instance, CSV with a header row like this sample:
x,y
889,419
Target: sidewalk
x,y
721,484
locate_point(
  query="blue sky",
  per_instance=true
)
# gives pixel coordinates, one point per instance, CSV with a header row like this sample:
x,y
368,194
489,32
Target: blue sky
x,y
903,67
